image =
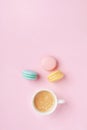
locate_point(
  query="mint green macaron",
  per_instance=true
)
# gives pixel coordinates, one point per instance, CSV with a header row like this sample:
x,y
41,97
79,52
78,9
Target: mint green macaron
x,y
30,75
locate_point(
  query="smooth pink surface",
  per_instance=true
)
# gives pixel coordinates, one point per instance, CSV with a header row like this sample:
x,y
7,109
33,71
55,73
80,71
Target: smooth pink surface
x,y
49,63
29,30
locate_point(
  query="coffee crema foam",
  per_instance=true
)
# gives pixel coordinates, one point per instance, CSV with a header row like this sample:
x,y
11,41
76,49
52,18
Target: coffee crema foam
x,y
44,101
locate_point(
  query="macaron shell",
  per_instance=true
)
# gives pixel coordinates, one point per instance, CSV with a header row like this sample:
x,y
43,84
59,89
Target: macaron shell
x,y
30,78
55,76
49,63
29,72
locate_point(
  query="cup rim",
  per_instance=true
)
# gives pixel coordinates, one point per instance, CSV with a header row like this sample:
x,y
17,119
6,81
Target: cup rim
x,y
54,107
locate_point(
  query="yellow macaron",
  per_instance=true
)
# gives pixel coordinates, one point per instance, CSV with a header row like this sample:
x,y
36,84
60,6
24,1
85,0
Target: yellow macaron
x,y
55,76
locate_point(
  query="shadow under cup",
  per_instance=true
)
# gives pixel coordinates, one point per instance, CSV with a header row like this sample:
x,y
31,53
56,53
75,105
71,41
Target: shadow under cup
x,y
45,102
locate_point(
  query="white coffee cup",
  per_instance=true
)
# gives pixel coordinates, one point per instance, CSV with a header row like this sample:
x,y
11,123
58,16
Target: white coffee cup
x,y
56,102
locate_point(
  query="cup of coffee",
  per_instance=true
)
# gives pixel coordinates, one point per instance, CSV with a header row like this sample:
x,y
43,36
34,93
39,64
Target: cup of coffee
x,y
45,102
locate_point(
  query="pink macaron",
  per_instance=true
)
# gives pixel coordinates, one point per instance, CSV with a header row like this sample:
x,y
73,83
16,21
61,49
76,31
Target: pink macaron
x,y
49,63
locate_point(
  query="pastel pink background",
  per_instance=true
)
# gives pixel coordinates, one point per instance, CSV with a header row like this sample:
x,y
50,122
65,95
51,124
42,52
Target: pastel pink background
x,y
29,30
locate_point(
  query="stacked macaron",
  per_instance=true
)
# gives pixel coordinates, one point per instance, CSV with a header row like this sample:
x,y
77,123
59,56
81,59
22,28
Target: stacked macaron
x,y
49,63
30,75
55,76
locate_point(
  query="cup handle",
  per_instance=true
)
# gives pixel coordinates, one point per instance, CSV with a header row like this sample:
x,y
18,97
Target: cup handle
x,y
61,101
